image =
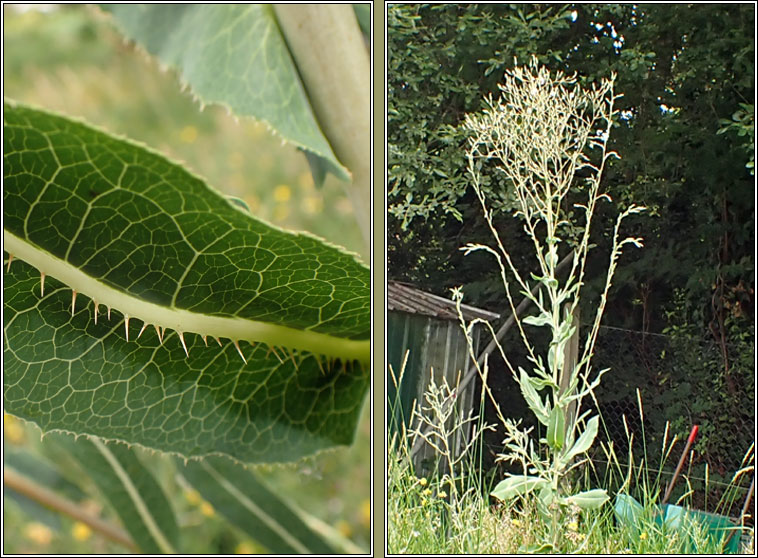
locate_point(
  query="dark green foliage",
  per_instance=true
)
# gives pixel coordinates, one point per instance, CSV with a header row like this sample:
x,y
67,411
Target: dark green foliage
x,y
685,136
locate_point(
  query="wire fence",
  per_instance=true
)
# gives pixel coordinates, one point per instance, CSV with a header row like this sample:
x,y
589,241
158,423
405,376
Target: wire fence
x,y
658,388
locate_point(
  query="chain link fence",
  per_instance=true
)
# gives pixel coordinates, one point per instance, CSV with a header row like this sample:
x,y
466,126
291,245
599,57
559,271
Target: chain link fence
x,y
660,386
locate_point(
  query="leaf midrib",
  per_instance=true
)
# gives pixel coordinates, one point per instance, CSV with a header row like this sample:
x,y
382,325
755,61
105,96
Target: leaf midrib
x,y
184,321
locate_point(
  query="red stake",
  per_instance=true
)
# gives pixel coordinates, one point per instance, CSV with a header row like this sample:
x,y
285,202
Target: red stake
x,y
678,469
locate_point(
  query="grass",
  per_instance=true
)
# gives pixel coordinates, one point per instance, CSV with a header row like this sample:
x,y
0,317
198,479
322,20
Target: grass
x,y
422,517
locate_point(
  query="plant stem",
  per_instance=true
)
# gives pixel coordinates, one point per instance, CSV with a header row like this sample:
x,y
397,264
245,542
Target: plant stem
x,y
327,46
53,501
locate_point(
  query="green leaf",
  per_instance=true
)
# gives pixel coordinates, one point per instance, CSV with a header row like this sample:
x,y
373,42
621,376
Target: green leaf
x,y
551,257
556,429
130,489
232,55
555,355
119,224
545,499
241,496
627,510
545,280
537,548
532,397
589,499
240,203
318,168
584,442
541,383
565,331
516,485
541,320
363,14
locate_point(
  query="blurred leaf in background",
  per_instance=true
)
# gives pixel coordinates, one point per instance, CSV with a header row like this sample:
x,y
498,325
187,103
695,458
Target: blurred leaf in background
x,y
72,60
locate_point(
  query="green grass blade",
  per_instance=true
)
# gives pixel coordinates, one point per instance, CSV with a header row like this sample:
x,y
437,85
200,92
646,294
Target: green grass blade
x,y
246,501
128,486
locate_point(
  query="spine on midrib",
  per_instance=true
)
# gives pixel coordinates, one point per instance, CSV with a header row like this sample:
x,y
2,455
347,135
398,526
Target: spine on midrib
x,y
184,321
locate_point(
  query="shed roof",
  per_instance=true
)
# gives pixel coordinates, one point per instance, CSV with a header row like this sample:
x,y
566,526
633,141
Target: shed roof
x,y
403,297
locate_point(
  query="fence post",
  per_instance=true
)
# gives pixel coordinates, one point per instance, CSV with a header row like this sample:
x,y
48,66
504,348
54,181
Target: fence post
x,y
570,358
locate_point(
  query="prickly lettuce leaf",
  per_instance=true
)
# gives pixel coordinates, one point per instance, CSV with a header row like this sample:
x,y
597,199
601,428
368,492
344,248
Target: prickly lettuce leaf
x,y
233,55
132,225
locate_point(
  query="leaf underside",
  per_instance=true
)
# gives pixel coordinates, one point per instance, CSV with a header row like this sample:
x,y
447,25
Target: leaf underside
x,y
233,55
141,226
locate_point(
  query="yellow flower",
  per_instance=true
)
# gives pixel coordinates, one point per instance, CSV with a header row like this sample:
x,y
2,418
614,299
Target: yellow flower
x,y
39,533
515,522
193,497
207,510
643,536
427,492
422,482
344,528
366,513
282,193
442,494
573,526
249,547
14,432
244,548
188,134
80,531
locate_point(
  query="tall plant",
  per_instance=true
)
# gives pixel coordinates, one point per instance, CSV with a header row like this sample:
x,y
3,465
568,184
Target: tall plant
x,y
548,135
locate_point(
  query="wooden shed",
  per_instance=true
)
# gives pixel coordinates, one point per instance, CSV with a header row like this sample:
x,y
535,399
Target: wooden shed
x,y
428,327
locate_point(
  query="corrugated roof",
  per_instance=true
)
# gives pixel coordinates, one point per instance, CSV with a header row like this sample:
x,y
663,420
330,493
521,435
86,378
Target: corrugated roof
x,y
405,298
